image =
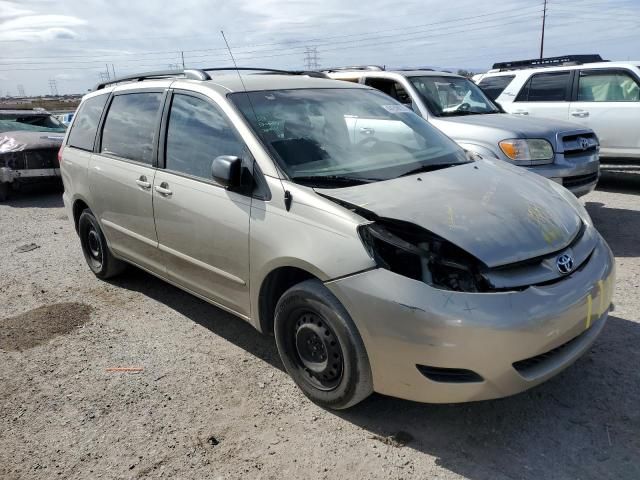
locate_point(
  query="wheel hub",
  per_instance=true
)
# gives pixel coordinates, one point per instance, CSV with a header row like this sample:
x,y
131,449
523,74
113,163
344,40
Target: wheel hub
x,y
318,351
94,244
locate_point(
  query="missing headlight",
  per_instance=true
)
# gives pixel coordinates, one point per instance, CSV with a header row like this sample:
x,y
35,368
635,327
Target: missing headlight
x,y
411,251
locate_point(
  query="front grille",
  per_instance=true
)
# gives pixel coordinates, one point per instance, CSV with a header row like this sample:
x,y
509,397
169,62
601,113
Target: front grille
x,y
449,375
579,144
41,158
579,180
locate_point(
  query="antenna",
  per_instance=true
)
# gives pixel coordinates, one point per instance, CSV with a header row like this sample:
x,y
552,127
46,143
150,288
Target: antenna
x,y
287,194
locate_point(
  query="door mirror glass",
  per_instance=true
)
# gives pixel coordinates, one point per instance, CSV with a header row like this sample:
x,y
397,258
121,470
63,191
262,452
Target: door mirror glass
x,y
227,171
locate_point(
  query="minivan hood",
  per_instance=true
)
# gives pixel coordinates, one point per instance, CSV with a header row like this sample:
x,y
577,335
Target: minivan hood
x,y
499,213
510,126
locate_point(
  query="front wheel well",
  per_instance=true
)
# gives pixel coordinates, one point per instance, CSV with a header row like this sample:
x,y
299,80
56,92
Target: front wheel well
x,y
78,207
274,285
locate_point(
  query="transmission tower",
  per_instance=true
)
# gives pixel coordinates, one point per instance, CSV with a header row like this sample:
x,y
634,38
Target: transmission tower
x,y
104,76
311,58
21,91
53,85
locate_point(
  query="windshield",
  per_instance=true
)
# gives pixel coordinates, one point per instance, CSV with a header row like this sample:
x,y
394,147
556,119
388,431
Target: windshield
x,y
452,96
333,137
11,122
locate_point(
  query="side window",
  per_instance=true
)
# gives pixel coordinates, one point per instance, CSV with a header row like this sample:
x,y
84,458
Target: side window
x,y
494,86
391,88
130,127
83,131
197,133
545,87
607,86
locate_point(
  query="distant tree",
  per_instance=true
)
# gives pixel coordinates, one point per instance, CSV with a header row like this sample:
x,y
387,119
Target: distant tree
x,y
466,73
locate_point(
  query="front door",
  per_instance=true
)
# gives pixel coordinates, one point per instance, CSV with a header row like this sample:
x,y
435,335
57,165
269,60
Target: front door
x,y
203,229
121,176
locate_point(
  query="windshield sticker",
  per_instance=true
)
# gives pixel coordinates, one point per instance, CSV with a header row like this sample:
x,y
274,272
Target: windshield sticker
x,y
396,108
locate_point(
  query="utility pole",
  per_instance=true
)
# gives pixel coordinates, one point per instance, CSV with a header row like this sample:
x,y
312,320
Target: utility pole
x,y
544,19
21,90
53,85
311,58
182,56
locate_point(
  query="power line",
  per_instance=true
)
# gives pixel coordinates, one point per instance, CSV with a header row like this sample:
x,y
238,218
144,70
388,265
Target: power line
x,y
494,15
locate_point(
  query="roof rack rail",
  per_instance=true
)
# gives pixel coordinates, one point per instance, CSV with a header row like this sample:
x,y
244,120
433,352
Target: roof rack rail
x,y
201,74
548,62
193,74
310,73
375,68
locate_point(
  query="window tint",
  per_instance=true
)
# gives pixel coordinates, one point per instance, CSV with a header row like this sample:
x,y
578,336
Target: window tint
x,y
494,86
83,132
198,133
607,86
545,87
130,127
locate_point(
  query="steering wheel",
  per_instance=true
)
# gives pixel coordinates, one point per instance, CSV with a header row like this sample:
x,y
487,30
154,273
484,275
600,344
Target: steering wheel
x,y
463,107
368,142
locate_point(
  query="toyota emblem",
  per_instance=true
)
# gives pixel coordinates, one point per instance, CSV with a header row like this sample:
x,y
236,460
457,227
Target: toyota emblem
x,y
564,263
584,143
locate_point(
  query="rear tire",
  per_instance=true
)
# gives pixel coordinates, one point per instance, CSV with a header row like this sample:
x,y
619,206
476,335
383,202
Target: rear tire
x,y
320,346
94,246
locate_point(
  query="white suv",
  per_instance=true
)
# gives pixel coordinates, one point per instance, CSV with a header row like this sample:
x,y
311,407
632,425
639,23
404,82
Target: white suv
x,y
604,96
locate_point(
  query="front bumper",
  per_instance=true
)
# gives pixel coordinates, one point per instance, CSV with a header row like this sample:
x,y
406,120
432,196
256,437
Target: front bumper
x,y
405,323
579,173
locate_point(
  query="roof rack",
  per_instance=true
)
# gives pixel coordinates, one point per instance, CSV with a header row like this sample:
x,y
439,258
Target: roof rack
x,y
138,77
375,68
201,74
548,62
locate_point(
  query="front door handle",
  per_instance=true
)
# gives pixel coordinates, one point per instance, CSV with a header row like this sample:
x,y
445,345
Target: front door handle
x,y
367,131
143,183
580,114
521,112
163,189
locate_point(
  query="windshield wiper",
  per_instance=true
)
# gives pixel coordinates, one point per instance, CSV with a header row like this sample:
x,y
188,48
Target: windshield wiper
x,y
335,179
431,168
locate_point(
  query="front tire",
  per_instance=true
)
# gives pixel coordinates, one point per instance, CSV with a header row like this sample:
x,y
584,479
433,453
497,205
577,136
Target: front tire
x,y
320,346
94,246
5,188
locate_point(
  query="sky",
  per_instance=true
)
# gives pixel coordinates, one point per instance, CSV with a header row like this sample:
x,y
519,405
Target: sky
x,y
74,42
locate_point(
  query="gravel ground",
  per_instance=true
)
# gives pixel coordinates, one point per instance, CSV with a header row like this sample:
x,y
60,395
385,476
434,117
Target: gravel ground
x,y
213,401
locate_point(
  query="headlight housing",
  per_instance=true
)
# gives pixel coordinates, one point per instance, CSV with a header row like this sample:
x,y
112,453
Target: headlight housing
x,y
527,150
413,252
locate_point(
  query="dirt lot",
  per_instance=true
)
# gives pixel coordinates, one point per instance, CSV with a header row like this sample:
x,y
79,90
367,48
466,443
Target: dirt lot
x,y
213,400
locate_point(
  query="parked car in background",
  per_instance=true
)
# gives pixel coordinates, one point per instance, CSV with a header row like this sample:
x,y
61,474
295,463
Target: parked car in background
x,y
601,95
29,145
393,264
564,152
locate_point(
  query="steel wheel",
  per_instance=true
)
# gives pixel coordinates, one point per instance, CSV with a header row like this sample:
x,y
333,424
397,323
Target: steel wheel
x,y
318,351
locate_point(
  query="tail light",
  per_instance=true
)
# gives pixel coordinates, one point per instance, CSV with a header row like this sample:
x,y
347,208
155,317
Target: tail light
x,y
60,156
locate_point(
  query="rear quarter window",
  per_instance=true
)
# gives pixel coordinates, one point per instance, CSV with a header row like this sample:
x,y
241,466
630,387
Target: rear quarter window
x,y
494,86
83,131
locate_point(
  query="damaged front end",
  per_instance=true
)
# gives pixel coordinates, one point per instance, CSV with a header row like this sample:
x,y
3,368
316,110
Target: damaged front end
x,y
413,252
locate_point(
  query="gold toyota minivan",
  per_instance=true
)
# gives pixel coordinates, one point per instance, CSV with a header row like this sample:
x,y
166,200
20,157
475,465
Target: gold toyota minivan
x,y
380,255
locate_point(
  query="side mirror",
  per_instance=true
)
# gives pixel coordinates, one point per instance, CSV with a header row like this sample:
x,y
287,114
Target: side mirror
x,y
226,170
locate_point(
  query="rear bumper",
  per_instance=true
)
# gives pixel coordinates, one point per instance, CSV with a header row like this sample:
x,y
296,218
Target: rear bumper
x,y
8,175
542,330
